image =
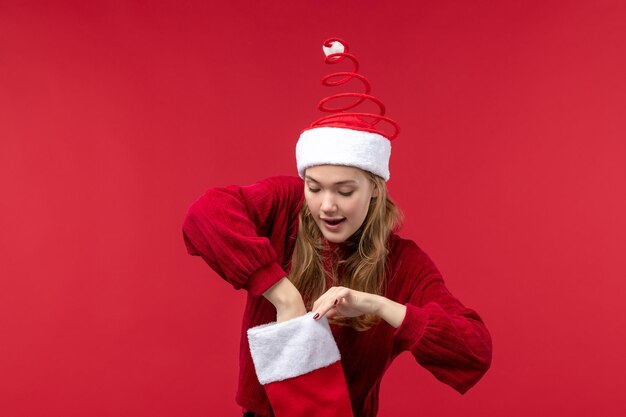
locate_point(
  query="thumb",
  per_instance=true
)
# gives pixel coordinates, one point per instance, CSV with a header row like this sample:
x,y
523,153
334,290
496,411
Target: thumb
x,y
331,313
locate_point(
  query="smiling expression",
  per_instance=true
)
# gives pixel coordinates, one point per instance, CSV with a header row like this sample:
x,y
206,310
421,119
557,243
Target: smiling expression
x,y
338,198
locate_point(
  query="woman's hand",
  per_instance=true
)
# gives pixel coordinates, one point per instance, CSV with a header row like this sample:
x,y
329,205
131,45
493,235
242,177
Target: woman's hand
x,y
345,302
287,300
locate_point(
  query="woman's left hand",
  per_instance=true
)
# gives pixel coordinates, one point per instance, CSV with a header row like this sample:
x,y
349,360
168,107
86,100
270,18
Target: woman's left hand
x,y
345,302
342,301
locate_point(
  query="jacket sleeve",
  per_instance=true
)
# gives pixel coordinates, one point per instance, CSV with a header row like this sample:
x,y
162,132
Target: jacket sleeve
x,y
445,337
229,226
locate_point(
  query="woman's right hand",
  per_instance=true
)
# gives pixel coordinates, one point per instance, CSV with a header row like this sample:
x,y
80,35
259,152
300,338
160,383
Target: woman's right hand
x,y
287,300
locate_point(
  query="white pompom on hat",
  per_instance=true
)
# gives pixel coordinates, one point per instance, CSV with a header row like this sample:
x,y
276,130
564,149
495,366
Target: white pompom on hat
x,y
346,138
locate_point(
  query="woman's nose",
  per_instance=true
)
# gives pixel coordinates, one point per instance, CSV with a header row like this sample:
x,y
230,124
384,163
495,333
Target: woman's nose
x,y
328,203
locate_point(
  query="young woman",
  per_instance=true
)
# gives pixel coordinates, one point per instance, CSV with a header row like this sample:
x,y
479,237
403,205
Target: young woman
x,y
334,294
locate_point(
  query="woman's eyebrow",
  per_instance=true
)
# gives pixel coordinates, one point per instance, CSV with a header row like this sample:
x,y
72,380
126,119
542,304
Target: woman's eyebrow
x,y
337,183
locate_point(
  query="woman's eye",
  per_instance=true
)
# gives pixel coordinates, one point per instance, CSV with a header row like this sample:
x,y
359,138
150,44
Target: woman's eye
x,y
313,190
346,194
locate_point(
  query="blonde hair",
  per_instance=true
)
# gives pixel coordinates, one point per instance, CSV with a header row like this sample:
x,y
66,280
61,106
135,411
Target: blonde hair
x,y
360,261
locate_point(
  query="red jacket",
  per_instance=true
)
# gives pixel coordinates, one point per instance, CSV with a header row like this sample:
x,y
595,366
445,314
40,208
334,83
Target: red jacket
x,y
247,235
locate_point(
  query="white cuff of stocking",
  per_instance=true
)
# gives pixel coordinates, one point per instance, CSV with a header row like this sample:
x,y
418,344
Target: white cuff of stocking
x,y
291,348
340,146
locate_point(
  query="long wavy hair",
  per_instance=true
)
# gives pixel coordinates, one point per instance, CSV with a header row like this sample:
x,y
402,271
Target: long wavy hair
x,y
358,263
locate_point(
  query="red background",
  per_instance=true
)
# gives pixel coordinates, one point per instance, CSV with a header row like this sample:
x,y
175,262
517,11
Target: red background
x,y
116,115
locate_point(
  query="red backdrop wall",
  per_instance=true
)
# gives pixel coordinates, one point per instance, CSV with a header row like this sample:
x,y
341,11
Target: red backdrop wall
x,y
116,115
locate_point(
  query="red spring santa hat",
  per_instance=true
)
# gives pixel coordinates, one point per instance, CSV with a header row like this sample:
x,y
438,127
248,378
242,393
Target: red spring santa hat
x,y
343,137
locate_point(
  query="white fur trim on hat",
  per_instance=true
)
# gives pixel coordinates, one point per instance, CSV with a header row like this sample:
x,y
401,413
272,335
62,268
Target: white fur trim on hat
x,y
291,348
340,146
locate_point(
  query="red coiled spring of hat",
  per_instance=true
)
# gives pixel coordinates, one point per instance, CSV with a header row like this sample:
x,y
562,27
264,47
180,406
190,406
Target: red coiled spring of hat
x,y
336,50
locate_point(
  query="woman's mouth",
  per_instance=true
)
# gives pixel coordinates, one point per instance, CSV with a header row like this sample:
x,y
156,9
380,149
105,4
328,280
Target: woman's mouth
x,y
333,224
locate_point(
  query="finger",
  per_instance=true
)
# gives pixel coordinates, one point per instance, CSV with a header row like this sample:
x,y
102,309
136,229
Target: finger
x,y
322,298
332,313
322,310
324,305
329,301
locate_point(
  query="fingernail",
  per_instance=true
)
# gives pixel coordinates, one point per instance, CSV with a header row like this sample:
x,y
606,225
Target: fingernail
x,y
316,316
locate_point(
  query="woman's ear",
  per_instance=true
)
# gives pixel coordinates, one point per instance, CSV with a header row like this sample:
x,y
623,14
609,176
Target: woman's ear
x,y
375,191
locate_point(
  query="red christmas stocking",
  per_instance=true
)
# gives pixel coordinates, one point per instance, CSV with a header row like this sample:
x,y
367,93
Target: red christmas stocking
x,y
298,363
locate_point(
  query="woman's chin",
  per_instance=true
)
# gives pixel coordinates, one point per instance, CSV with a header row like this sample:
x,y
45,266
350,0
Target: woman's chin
x,y
334,237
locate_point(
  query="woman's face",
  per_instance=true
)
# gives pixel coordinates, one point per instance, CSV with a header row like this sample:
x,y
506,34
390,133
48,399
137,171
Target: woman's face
x,y
338,198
